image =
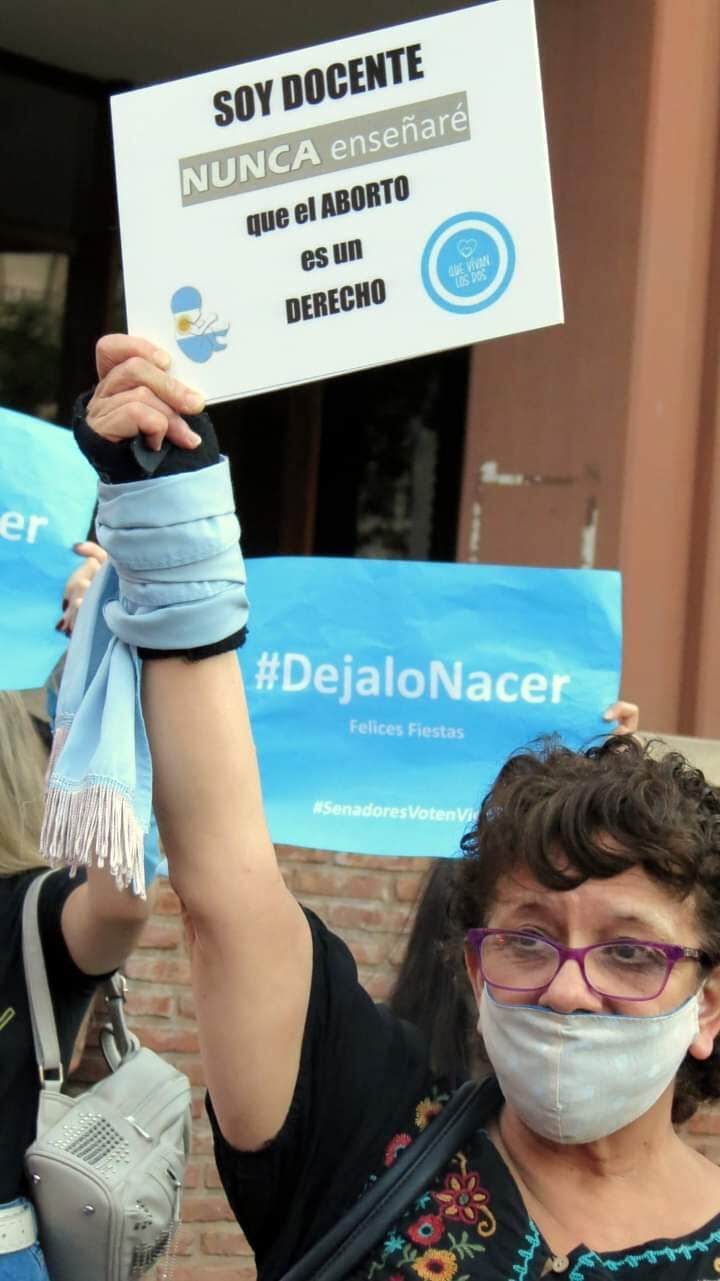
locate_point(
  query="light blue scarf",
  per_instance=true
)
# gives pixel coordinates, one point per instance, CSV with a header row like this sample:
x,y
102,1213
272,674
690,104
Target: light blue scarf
x,y
174,579
154,861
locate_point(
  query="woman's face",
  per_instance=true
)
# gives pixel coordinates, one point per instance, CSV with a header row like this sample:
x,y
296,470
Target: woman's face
x,y
628,906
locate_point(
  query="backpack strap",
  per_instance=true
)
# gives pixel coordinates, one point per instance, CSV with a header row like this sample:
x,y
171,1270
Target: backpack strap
x,y
348,1241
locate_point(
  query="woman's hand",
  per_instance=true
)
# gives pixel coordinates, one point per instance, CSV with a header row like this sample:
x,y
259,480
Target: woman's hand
x,y
135,395
78,583
627,716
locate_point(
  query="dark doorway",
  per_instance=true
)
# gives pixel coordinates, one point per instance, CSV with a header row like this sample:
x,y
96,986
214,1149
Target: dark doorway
x,y
391,460
368,464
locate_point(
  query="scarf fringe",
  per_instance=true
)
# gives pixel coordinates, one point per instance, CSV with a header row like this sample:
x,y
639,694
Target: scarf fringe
x,y
93,827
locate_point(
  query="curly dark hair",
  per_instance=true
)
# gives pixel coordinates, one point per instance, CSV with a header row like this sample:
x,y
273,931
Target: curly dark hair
x,y
571,816
430,990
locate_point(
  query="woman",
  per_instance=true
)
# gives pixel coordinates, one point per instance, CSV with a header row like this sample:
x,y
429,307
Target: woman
x,y
88,928
588,906
432,992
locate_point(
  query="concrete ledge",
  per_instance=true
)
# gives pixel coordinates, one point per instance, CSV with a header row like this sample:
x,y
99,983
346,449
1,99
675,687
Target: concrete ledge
x,y
703,753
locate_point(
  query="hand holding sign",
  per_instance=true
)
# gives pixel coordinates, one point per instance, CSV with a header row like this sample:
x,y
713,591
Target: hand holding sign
x,y
136,395
390,188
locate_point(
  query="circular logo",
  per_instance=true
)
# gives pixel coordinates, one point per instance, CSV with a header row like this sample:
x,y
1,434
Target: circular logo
x,y
468,262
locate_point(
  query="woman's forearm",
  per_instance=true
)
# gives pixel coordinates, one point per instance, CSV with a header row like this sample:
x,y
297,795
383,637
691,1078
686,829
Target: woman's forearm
x,y
207,793
251,950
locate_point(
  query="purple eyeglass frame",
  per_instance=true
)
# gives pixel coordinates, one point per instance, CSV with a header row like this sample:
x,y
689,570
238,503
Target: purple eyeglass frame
x,y
671,951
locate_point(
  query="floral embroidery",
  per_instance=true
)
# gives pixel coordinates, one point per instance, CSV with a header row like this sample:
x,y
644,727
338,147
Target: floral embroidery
x,y
426,1110
396,1146
426,1230
464,1200
464,1248
462,1197
437,1236
441,1236
436,1265
393,1243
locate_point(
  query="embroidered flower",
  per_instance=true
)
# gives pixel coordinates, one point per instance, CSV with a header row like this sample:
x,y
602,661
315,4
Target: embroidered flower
x,y
425,1111
393,1243
426,1230
462,1198
436,1265
396,1146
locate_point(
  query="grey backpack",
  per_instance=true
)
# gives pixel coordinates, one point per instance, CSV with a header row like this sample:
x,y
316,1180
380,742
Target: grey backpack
x,y
106,1169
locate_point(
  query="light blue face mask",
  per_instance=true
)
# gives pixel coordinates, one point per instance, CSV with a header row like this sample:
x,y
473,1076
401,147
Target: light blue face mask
x,y
575,1078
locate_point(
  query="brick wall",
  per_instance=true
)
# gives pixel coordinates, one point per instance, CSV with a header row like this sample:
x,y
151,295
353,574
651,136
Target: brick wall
x,y
369,901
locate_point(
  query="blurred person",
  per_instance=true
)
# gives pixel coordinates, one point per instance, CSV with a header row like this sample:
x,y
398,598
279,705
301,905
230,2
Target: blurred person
x,y
88,928
586,911
78,583
626,717
80,1043
73,594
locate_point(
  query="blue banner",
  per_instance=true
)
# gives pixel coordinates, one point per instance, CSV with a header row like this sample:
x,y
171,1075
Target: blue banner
x,y
385,695
47,495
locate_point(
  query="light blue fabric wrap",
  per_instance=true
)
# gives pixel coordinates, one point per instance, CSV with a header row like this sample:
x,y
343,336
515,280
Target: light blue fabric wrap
x,y
154,860
175,579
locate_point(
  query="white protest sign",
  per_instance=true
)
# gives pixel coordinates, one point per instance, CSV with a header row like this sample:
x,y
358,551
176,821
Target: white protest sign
x,y
363,201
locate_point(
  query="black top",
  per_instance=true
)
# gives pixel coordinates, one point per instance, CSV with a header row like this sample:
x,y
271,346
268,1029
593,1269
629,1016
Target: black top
x,y
71,991
364,1092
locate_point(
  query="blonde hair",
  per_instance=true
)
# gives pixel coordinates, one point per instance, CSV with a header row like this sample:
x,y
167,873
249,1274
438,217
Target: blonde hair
x,y
22,780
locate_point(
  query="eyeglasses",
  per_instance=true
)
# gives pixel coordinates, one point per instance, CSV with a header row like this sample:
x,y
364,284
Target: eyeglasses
x,y
626,970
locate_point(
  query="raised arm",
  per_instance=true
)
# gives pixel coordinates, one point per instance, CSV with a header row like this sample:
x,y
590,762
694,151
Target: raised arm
x,y
101,924
250,943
